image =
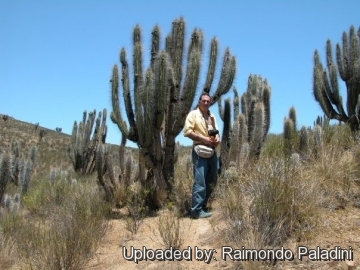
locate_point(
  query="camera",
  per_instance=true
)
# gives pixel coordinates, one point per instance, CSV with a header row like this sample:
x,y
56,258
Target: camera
x,y
213,132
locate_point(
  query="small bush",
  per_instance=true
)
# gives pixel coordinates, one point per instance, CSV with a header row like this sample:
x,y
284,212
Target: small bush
x,y
169,228
269,203
69,234
136,208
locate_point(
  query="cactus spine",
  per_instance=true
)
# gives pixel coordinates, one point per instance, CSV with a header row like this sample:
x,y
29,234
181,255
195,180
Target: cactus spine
x,y
164,94
326,88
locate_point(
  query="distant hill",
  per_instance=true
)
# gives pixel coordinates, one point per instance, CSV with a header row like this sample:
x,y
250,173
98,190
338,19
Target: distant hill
x,y
52,145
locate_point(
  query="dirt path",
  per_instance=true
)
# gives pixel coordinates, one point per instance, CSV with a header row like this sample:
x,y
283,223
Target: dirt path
x,y
337,228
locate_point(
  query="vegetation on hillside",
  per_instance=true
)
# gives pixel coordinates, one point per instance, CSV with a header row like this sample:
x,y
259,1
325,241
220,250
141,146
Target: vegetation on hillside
x,y
55,209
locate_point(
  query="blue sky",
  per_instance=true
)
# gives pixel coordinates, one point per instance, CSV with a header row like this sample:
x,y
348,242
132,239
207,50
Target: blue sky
x,y
56,56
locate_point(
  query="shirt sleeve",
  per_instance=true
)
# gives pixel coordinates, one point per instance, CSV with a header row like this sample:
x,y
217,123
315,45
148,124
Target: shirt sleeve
x,y
189,124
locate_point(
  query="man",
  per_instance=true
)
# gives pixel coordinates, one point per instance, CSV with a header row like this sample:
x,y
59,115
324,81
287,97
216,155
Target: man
x,y
197,126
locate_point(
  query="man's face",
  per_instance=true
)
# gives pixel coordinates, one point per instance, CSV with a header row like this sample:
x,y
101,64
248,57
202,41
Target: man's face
x,y
204,103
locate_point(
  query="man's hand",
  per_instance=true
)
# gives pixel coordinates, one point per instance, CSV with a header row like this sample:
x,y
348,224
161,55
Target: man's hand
x,y
212,141
208,141
216,140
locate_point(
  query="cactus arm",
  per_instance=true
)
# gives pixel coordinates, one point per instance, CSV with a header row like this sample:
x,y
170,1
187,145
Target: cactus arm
x,y
331,84
138,83
176,48
161,82
190,83
148,117
137,57
225,141
236,103
266,101
103,130
332,75
227,76
319,88
221,109
192,70
155,44
212,64
340,62
353,84
244,105
115,115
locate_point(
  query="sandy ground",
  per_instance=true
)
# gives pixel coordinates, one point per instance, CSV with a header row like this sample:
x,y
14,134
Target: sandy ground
x,y
336,228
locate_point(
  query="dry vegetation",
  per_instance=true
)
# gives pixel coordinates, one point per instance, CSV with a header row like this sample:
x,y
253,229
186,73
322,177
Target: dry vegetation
x,y
63,222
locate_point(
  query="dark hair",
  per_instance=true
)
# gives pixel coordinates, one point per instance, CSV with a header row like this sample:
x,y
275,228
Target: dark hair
x,y
204,94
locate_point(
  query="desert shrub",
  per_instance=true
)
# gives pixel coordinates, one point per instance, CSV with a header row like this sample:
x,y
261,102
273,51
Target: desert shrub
x,y
336,168
136,208
169,228
47,195
7,251
67,236
182,184
270,202
282,202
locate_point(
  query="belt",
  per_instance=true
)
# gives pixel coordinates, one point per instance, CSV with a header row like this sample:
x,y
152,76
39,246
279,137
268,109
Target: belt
x,y
212,147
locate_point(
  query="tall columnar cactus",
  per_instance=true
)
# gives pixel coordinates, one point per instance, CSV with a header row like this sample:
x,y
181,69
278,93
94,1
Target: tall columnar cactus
x,y
304,140
5,172
122,156
292,116
326,88
105,172
318,140
85,141
225,138
289,141
290,133
163,94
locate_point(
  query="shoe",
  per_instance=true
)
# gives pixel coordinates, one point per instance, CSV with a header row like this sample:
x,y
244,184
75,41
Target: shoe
x,y
200,214
206,209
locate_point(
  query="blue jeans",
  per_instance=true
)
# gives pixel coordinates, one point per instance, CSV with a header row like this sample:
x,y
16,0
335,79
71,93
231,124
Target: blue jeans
x,y
205,178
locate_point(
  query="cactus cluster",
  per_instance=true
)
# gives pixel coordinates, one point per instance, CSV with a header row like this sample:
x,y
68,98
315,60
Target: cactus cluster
x,y
85,141
305,141
162,95
243,140
326,88
16,167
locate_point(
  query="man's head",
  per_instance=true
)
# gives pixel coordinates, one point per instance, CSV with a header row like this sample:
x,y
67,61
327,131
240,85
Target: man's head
x,y
204,102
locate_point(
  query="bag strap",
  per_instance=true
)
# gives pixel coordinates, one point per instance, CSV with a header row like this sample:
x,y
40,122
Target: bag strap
x,y
212,121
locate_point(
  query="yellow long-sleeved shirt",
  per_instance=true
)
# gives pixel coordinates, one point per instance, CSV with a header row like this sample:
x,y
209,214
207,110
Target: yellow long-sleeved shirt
x,y
195,122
